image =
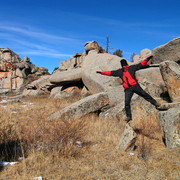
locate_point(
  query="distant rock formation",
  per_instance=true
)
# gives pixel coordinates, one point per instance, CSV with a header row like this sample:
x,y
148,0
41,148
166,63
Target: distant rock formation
x,y
14,71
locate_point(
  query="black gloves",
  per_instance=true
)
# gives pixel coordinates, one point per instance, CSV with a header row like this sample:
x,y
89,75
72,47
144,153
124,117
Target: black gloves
x,y
98,72
149,58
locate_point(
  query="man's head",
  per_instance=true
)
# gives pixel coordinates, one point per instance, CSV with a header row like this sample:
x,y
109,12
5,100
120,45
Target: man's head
x,y
123,62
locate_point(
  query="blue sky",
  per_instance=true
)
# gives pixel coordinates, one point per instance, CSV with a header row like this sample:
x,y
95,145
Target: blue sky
x,y
51,31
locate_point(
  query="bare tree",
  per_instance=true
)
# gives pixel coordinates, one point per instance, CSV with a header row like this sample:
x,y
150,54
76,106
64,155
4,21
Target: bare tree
x,y
107,44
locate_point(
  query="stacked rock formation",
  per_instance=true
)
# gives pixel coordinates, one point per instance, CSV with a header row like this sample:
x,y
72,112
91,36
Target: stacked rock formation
x,y
14,71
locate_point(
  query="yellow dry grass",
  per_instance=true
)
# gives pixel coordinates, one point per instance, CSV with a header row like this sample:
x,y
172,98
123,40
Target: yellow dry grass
x,y
98,158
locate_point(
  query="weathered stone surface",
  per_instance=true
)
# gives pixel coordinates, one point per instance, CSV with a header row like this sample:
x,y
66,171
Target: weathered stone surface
x,y
143,54
170,121
169,51
55,92
84,106
66,77
40,86
170,105
155,90
171,75
116,112
116,95
43,71
93,45
139,107
59,93
74,62
136,59
151,74
100,62
128,138
19,73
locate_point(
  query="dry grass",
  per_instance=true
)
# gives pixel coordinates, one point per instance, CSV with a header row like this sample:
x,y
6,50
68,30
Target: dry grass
x,y
50,150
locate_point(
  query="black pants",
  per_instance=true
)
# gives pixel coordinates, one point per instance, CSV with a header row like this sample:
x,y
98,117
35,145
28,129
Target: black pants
x,y
138,90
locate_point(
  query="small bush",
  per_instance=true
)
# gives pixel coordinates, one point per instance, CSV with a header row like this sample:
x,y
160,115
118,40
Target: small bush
x,y
58,135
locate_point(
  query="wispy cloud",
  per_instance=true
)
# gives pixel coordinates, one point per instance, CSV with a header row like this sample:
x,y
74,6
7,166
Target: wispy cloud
x,y
31,42
44,53
32,33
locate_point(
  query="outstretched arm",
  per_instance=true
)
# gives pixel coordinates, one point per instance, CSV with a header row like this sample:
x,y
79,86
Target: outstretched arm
x,y
107,73
143,63
115,73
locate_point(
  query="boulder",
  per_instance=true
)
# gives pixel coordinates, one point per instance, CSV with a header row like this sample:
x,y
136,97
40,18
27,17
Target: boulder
x,y
136,59
19,73
169,51
66,77
74,62
55,92
116,95
43,71
143,55
151,74
9,55
116,112
69,92
100,62
26,59
93,45
155,90
171,75
40,86
128,138
139,108
84,106
170,122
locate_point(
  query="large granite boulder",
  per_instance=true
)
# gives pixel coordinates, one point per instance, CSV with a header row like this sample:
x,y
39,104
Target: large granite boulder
x,y
170,122
169,51
171,74
66,77
100,62
151,74
84,106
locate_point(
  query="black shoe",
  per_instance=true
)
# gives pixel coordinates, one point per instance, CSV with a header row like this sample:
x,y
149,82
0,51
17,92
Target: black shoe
x,y
157,105
128,119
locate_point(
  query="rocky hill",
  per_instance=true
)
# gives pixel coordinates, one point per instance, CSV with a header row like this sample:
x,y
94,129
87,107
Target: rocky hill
x,y
14,72
102,94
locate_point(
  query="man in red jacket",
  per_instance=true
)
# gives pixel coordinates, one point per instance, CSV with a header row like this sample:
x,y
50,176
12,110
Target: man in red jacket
x,y
130,83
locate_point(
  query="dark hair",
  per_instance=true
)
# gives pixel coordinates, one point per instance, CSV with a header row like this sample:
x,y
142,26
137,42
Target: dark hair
x,y
123,62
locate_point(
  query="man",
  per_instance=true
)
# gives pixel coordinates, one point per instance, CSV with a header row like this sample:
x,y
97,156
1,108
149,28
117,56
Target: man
x,y
130,83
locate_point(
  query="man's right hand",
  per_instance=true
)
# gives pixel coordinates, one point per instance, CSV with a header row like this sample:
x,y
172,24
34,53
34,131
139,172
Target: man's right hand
x,y
149,58
98,72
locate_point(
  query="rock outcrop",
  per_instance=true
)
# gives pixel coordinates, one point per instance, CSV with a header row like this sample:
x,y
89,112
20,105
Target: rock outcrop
x,y
128,138
169,51
171,75
170,121
84,106
100,62
66,77
14,71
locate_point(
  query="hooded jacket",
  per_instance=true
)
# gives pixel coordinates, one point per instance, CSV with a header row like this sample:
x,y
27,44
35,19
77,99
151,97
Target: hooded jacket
x,y
127,73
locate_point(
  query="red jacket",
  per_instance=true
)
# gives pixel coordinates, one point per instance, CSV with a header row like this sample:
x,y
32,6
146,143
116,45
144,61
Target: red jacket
x,y
127,74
